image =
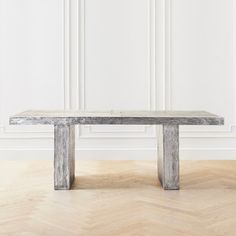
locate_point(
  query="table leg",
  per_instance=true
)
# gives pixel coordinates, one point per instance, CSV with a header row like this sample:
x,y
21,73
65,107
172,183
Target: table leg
x,y
64,156
168,156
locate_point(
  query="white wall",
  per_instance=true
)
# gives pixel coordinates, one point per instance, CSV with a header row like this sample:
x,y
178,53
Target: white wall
x,y
118,54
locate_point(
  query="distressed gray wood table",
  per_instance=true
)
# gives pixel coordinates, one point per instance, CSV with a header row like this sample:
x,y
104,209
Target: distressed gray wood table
x,y
64,136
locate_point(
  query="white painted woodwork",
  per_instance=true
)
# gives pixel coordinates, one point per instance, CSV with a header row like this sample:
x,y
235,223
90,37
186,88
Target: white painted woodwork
x,y
124,54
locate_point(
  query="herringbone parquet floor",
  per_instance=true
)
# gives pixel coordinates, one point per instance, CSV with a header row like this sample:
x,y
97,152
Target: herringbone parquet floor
x,y
118,198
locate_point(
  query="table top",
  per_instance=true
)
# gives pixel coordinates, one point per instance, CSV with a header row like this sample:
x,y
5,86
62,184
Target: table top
x,y
116,117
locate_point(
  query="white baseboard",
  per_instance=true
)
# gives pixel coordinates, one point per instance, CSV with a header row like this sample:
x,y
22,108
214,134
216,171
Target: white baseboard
x,y
119,154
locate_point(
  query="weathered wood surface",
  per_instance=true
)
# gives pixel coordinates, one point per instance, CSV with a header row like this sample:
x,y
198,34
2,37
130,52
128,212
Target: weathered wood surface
x,y
117,117
64,156
168,156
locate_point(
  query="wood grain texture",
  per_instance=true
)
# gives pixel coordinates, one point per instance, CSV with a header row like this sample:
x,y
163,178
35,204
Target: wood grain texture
x,y
168,156
118,198
64,156
117,117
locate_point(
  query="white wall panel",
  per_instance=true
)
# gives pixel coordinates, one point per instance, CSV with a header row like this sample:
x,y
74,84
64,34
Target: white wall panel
x,y
117,66
31,59
202,58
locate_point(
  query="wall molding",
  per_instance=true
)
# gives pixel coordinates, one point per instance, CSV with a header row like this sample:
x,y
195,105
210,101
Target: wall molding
x,y
120,154
67,52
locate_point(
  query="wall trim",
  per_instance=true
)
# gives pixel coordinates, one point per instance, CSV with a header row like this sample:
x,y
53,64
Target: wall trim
x,y
120,154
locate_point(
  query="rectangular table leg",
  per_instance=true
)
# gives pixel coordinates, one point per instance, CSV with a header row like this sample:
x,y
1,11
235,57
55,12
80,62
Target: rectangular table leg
x,y
64,156
168,156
